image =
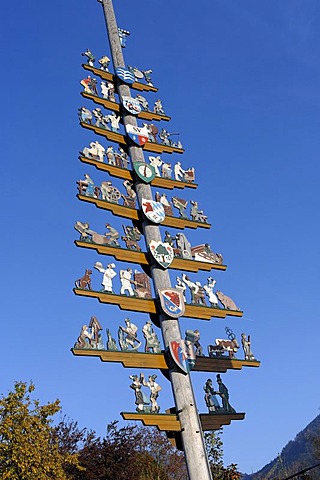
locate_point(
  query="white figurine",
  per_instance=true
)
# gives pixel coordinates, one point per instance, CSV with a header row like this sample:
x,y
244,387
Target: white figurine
x,y
125,279
110,155
213,299
156,162
166,170
108,275
104,62
158,108
96,151
114,120
179,172
182,287
143,102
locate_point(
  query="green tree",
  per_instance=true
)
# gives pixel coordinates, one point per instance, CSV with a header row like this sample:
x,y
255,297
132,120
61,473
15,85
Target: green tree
x,y
214,447
28,450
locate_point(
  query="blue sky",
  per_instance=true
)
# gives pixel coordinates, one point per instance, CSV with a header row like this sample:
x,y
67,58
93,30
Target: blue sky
x,y
241,83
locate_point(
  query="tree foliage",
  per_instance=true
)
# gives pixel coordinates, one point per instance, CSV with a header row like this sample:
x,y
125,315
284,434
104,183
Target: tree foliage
x,y
214,446
27,449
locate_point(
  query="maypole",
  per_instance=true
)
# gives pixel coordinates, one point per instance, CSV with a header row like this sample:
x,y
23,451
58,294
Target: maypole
x,y
183,422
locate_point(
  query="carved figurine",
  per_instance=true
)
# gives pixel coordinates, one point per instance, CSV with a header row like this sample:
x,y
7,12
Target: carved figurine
x,y
126,282
196,290
104,63
90,85
85,281
231,345
128,336
182,287
158,108
108,275
164,137
114,121
142,285
181,205
109,192
141,399
166,170
154,392
85,115
95,151
165,202
197,345
143,102
189,175
196,214
224,394
168,238
111,342
132,236
101,120
203,253
246,345
156,162
123,34
213,299
183,246
107,91
92,339
124,157
179,172
226,301
87,187
87,235
152,132
130,199
152,341
90,57
210,397
147,76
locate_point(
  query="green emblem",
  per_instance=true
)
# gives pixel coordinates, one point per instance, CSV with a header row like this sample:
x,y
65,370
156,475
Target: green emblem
x,y
144,171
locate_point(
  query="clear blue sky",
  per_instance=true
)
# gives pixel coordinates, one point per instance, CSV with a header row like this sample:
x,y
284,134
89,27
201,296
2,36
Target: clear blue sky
x,y
241,82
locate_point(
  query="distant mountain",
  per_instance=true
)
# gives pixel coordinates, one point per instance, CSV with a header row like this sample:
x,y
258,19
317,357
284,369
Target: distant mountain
x,y
300,453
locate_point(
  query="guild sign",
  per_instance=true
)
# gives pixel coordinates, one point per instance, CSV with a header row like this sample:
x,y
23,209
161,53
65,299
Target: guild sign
x,y
139,135
125,75
144,171
172,302
154,211
182,353
162,252
131,104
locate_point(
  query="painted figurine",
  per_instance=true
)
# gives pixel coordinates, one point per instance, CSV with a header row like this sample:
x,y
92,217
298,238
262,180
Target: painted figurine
x,y
130,199
87,187
152,341
126,282
152,132
210,397
143,102
85,115
181,205
165,202
112,234
123,34
95,151
196,214
226,301
156,162
90,85
128,336
124,157
92,338
107,91
166,170
164,137
179,172
104,63
114,121
183,246
213,299
147,76
109,192
111,342
224,394
132,236
203,253
108,275
222,345
90,57
158,108
154,392
246,345
85,281
197,345
196,290
180,285
142,285
101,120
87,235
141,399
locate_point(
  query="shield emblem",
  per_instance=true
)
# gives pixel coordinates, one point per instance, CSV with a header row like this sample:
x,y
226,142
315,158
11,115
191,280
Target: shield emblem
x,y
125,75
172,302
162,252
131,104
144,171
154,211
139,135
183,354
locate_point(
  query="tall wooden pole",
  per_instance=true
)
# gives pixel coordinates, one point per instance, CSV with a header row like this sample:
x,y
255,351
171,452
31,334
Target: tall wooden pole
x,y
192,437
